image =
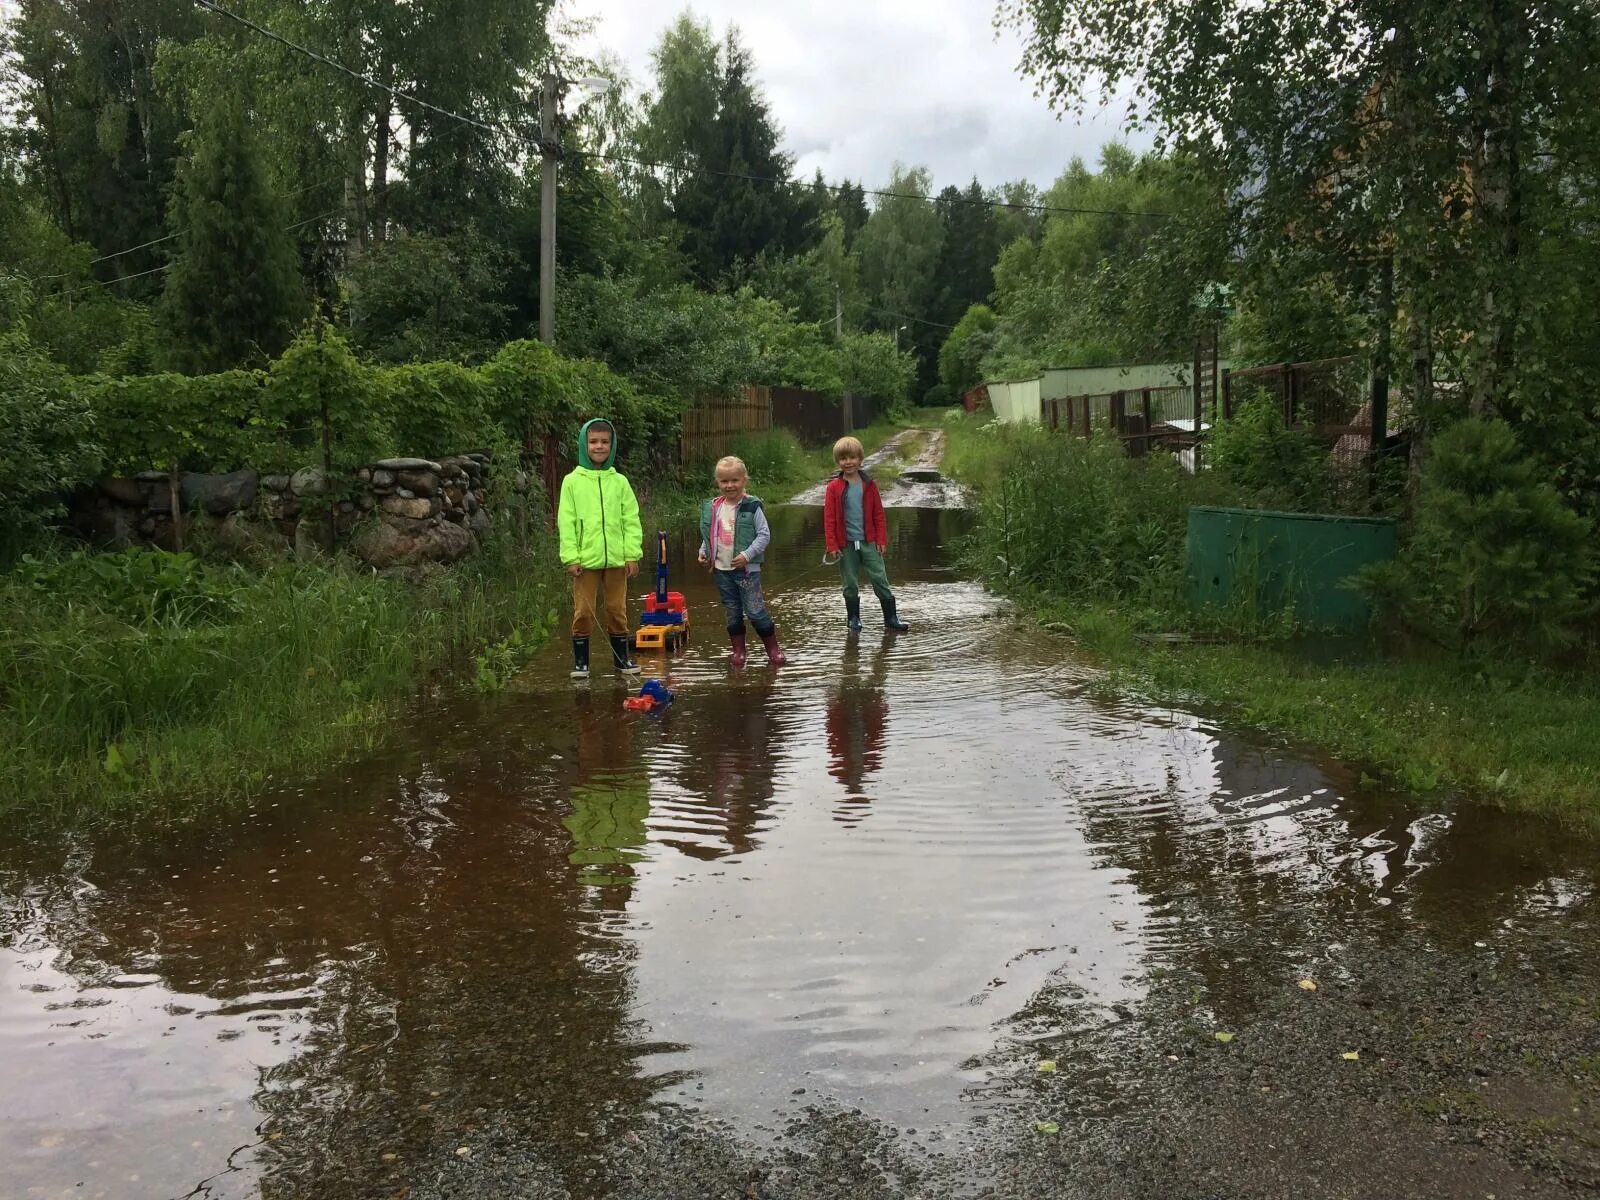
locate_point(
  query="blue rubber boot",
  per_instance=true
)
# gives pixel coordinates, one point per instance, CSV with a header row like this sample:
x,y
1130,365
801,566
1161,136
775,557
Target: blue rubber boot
x,y
891,619
852,613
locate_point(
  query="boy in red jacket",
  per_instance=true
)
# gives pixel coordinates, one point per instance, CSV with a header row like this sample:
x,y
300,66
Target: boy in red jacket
x,y
853,527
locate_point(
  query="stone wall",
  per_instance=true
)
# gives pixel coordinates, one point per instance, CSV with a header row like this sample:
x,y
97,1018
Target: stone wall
x,y
398,512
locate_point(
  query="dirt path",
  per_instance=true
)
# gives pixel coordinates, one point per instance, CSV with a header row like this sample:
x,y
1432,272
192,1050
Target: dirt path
x,y
912,457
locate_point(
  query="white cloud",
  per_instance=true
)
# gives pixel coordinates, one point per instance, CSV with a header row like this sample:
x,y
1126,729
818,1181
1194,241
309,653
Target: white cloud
x,y
860,84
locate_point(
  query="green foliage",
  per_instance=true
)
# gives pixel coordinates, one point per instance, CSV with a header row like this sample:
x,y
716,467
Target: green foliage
x,y
1268,464
497,663
961,357
1079,518
233,294
50,446
709,112
199,422
1497,558
272,420
141,588
874,366
772,459
169,685
1104,282
64,312
420,297
687,343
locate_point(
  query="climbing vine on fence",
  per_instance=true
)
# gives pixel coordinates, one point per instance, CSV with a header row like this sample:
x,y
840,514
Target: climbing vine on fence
x,y
273,419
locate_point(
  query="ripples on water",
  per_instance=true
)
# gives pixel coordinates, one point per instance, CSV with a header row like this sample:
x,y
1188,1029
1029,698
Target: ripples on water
x,y
893,873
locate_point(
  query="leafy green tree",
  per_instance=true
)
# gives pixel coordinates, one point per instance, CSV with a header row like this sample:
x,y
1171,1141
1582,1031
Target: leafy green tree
x,y
900,247
233,294
420,297
961,357
1114,270
99,143
1411,157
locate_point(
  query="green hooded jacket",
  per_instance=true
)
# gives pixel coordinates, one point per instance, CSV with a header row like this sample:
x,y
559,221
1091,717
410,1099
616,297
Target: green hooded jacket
x,y
598,515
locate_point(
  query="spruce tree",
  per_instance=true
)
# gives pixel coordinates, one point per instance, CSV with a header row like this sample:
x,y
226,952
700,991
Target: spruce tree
x,y
234,292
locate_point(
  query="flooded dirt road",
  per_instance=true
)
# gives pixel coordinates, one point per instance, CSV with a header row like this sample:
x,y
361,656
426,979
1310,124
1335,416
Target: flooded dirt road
x,y
810,933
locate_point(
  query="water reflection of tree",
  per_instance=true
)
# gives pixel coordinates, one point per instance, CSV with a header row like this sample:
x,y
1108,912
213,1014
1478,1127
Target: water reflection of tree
x,y
858,718
431,950
610,802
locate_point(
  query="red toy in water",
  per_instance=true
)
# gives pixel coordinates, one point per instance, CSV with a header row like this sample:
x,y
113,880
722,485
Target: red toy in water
x,y
652,695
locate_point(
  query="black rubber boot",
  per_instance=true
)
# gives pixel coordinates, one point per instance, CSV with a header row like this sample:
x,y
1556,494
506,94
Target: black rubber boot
x,y
852,613
619,655
890,620
580,658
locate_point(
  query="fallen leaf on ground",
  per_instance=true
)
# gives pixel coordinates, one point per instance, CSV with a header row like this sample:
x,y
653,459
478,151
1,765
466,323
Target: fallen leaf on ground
x,y
1047,1067
1308,985
1224,1038
1046,1127
463,1150
1352,1056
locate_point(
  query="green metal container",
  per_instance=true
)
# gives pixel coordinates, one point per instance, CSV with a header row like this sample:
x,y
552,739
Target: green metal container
x,y
1273,561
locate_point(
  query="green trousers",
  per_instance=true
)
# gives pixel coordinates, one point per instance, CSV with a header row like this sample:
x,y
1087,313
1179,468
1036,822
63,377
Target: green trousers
x,y
852,562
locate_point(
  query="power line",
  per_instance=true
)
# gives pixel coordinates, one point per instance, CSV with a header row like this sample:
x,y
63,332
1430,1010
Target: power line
x,y
167,266
179,233
1016,206
211,6
986,202
900,316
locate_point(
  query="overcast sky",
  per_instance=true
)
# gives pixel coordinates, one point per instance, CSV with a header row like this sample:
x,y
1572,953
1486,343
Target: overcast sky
x,y
859,84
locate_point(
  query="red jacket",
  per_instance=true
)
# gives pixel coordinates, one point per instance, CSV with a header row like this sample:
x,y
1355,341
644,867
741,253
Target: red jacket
x,y
877,528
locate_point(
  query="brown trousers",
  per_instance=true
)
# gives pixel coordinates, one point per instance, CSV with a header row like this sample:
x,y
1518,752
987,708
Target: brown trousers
x,y
587,588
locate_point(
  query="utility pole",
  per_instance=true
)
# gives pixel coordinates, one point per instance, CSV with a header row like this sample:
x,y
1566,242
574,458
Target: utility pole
x,y
549,148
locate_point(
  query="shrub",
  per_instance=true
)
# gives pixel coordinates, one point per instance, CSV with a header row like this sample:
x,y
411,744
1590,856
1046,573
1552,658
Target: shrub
x,y
1497,558
1080,518
1269,464
50,445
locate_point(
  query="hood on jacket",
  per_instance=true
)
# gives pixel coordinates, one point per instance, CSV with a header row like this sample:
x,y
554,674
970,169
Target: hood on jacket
x,y
583,444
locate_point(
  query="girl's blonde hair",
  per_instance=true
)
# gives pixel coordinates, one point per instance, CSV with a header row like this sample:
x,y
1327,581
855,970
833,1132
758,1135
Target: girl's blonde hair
x,y
848,445
731,462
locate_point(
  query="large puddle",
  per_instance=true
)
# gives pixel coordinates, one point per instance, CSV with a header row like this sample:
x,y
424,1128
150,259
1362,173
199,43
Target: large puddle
x,y
882,876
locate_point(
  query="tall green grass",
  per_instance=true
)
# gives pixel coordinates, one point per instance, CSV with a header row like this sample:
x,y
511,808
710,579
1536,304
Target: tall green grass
x,y
107,713
1077,518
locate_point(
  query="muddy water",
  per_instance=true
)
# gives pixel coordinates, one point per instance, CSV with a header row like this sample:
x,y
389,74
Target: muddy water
x,y
884,875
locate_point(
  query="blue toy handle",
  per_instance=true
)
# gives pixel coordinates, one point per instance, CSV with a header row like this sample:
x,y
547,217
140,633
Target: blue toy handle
x,y
655,688
661,568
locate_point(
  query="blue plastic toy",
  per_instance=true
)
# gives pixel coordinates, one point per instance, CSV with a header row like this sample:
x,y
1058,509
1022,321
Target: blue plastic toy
x,y
653,695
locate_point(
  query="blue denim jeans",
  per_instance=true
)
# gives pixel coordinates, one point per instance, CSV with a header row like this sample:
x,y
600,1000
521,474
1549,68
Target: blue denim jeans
x,y
741,597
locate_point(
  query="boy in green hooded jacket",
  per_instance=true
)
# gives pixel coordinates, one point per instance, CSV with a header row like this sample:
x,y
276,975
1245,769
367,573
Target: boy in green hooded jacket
x,y
602,542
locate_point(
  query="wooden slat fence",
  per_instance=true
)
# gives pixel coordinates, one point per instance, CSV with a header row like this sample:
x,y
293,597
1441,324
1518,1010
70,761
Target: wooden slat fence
x,y
712,426
818,418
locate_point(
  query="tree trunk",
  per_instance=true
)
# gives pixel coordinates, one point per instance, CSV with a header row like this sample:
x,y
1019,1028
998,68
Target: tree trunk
x,y
1497,204
63,193
380,171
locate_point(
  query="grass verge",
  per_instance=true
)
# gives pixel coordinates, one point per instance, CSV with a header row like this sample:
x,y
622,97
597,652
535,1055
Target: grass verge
x,y
233,680
1091,542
